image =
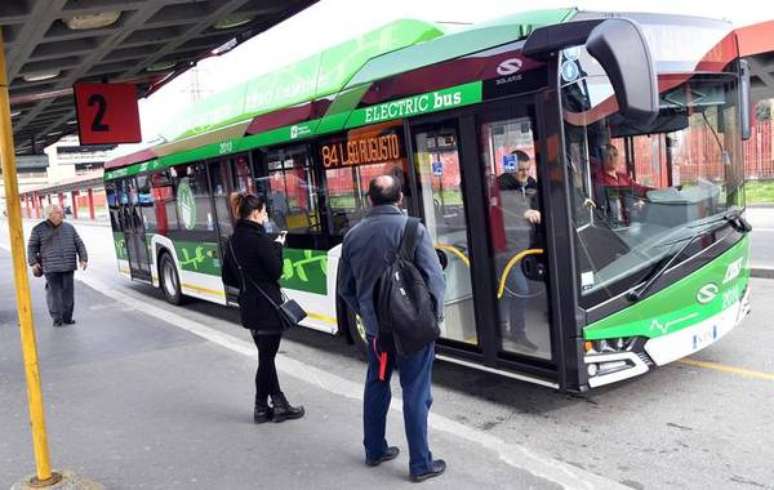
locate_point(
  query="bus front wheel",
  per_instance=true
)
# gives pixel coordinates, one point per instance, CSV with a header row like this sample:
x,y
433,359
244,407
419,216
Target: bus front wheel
x,y
170,280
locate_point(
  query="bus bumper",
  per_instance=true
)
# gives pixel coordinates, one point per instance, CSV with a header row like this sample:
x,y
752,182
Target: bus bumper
x,y
609,367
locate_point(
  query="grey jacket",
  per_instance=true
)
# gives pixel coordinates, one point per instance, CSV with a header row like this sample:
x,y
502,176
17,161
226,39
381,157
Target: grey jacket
x,y
56,246
364,257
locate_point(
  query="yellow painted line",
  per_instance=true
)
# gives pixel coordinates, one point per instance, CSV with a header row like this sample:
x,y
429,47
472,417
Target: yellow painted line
x,y
322,318
221,294
745,373
199,289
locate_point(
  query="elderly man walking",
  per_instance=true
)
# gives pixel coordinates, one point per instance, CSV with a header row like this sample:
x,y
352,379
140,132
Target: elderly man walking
x,y
362,262
52,251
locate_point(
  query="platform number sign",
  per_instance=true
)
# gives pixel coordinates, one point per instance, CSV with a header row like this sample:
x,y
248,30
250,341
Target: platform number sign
x,y
107,113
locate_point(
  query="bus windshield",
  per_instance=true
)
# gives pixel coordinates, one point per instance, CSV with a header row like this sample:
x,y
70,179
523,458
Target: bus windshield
x,y
637,189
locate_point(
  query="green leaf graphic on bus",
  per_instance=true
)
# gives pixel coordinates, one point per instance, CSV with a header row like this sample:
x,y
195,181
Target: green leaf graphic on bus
x,y
194,261
305,270
198,257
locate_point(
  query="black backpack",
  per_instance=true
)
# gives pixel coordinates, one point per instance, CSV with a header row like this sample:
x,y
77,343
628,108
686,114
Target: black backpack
x,y
404,307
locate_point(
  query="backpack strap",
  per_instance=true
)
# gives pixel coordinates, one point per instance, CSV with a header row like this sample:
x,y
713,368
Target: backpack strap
x,y
408,243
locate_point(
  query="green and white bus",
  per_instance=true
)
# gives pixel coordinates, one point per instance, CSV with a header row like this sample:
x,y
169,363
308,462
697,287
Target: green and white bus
x,y
630,127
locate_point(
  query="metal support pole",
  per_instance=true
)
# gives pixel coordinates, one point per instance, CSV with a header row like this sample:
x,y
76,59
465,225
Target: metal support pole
x,y
92,215
74,202
21,279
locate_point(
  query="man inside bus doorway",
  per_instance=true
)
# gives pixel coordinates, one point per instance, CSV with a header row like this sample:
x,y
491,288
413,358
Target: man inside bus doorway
x,y
519,203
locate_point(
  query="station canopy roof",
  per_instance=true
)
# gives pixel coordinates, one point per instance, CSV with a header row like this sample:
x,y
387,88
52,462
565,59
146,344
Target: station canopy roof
x,y
51,44
757,46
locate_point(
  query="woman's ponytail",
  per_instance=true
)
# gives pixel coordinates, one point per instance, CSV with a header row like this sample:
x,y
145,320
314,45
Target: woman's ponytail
x,y
243,204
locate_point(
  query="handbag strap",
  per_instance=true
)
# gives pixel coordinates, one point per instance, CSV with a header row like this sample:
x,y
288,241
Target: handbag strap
x,y
242,276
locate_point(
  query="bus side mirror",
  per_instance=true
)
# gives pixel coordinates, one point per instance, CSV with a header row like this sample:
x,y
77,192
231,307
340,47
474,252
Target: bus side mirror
x,y
620,48
744,99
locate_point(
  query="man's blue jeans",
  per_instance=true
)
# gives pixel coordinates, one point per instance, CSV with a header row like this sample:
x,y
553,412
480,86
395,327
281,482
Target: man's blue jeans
x,y
415,373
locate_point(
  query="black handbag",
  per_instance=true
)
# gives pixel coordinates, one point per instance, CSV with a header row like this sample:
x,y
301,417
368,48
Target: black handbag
x,y
289,311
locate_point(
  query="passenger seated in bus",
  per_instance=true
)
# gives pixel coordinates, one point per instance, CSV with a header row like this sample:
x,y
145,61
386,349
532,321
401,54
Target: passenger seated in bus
x,y
616,191
519,203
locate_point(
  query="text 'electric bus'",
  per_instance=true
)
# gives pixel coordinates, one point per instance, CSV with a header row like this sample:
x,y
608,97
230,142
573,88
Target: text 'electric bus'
x,y
580,174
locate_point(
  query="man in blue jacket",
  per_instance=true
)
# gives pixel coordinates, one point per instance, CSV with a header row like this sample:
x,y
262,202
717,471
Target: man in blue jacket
x,y
364,257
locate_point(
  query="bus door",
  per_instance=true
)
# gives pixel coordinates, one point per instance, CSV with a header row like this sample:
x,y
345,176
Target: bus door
x,y
509,165
137,194
226,177
439,180
220,188
478,179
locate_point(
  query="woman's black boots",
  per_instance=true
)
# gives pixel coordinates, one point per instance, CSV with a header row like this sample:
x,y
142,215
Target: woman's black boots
x,y
282,410
262,412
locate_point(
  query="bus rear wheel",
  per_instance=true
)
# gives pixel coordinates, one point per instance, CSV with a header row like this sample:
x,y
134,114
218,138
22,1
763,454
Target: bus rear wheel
x,y
358,334
170,280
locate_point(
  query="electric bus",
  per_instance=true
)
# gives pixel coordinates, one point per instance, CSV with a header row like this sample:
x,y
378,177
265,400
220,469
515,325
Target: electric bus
x,y
580,174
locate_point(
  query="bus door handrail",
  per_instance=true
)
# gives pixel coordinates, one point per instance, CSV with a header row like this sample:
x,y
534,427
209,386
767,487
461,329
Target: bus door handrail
x,y
506,272
454,251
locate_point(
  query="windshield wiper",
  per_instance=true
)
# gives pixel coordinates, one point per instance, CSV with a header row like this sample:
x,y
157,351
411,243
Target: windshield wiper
x,y
734,217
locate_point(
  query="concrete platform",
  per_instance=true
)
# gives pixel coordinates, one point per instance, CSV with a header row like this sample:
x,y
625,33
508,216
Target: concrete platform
x,y
136,402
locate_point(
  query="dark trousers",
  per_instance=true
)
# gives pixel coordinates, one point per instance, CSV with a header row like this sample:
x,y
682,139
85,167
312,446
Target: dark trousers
x,y
266,381
513,304
415,373
59,295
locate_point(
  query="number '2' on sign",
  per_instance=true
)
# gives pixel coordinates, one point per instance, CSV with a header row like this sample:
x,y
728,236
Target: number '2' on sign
x,y
107,113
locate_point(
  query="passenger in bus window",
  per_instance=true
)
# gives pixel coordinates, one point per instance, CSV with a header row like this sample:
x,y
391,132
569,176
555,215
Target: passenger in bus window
x,y
253,263
519,201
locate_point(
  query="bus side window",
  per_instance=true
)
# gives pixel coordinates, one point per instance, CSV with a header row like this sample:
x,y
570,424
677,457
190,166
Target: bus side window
x,y
291,192
192,197
349,169
347,191
243,178
164,202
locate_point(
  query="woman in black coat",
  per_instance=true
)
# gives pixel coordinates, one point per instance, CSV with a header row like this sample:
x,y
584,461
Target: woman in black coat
x,y
254,260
